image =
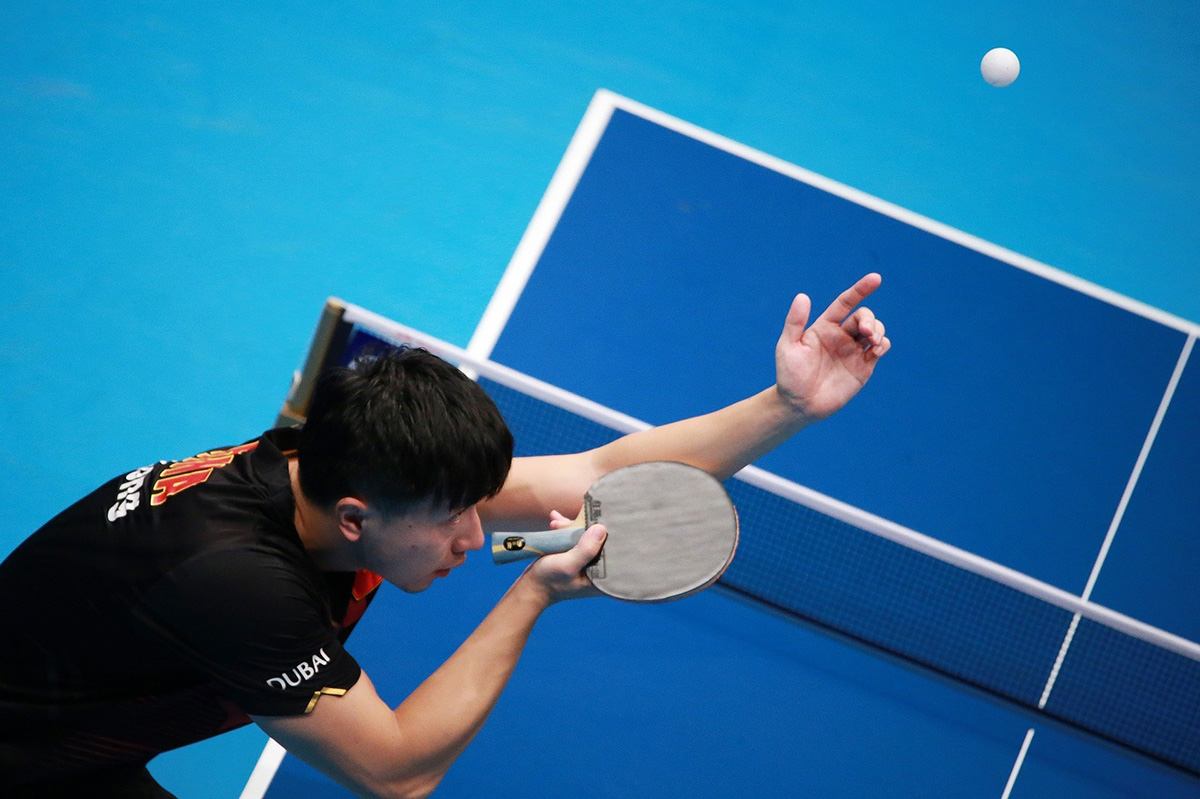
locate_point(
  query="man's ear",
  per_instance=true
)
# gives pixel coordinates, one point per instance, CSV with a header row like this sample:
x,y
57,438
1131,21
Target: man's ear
x,y
351,515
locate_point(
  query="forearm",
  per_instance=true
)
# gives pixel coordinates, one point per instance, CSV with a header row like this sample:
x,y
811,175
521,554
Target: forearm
x,y
375,750
441,717
721,442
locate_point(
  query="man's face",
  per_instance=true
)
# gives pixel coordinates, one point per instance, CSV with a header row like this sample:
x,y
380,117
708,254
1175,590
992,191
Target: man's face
x,y
413,550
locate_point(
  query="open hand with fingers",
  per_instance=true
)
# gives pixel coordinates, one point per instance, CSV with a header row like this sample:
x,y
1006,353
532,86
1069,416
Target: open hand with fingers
x,y
820,367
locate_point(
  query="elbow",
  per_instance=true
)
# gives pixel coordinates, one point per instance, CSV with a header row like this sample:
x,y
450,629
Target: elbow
x,y
412,787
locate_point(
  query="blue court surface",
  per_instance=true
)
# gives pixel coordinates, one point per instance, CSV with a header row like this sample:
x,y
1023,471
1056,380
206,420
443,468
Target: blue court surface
x,y
832,657
183,186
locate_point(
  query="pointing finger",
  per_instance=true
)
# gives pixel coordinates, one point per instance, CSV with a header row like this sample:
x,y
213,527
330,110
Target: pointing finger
x,y
851,297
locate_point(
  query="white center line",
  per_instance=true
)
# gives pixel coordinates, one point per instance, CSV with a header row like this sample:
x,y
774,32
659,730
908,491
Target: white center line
x,y
1016,769
1120,514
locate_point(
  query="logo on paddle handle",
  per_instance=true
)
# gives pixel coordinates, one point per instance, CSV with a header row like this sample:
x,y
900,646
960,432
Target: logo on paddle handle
x,y
514,543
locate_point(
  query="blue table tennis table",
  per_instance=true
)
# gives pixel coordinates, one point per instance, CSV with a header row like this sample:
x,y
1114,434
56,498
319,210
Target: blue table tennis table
x,y
975,580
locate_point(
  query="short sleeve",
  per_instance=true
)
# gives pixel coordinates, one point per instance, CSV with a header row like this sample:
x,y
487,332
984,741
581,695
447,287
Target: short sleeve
x,y
256,625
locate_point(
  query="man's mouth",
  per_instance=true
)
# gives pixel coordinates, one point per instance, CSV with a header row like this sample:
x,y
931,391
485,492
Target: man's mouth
x,y
446,571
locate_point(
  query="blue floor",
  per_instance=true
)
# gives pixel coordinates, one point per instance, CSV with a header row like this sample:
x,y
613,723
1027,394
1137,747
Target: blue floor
x,y
711,697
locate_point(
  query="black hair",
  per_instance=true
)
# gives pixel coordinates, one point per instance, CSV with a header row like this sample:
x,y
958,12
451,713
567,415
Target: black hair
x,y
399,429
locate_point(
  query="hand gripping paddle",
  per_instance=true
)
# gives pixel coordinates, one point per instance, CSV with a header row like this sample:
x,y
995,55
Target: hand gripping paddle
x,y
672,531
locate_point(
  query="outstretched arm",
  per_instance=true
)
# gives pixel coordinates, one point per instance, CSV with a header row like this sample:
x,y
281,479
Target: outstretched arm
x,y
818,368
377,751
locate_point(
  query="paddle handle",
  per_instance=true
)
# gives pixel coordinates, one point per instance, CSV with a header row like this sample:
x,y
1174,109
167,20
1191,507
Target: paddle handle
x,y
511,547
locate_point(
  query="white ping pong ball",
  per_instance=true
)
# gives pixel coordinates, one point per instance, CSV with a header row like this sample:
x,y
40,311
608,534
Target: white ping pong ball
x,y
1000,66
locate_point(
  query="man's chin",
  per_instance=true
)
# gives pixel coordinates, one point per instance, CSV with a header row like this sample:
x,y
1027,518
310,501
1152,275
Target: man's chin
x,y
415,587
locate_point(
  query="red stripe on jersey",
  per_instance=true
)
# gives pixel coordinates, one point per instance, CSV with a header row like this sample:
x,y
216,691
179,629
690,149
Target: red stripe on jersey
x,y
365,583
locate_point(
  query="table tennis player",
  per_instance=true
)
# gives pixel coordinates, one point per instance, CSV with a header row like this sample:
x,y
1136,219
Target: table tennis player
x,y
185,599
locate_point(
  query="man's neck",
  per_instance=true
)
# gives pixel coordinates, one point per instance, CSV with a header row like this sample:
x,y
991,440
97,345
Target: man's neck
x,y
318,530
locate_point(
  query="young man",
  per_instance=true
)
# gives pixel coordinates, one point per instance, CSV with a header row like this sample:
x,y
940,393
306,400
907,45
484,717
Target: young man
x,y
185,599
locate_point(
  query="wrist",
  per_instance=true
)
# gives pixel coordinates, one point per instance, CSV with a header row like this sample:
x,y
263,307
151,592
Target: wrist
x,y
791,411
532,592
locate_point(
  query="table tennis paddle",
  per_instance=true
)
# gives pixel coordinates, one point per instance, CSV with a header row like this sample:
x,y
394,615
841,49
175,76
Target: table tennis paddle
x,y
672,531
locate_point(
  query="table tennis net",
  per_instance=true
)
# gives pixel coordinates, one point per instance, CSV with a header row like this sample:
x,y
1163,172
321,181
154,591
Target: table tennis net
x,y
1137,687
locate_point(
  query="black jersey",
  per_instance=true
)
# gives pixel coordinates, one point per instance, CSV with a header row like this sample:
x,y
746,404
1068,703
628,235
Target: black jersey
x,y
162,609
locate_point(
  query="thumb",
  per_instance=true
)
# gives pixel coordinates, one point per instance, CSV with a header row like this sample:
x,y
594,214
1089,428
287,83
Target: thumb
x,y
589,546
797,318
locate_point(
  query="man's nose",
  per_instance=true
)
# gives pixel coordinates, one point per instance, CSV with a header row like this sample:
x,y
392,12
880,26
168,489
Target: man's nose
x,y
472,535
